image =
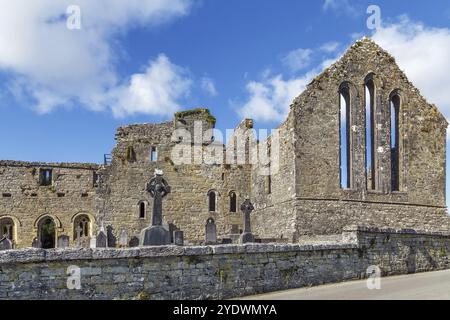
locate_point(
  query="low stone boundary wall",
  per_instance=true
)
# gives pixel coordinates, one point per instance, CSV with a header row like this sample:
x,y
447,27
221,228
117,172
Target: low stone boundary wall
x,y
215,272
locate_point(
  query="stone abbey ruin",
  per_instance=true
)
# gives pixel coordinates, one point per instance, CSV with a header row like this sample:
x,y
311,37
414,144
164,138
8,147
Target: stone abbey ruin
x,y
360,146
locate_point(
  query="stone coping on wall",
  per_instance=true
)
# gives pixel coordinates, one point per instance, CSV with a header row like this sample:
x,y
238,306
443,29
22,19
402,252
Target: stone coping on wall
x,y
68,165
30,255
366,229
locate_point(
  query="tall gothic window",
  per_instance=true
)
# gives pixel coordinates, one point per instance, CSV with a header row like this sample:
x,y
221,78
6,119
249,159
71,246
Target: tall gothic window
x,y
81,226
212,201
233,202
395,151
142,210
370,133
344,134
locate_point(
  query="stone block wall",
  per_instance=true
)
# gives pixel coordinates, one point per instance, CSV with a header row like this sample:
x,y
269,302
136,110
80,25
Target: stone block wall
x,y
186,207
214,272
26,202
422,134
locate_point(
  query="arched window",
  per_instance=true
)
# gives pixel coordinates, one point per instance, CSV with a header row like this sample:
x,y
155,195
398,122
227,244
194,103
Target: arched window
x,y
212,198
47,232
142,210
344,136
233,202
7,228
81,226
395,103
370,132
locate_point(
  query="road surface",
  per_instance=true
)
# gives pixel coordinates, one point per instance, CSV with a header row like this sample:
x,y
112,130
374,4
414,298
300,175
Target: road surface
x,y
428,285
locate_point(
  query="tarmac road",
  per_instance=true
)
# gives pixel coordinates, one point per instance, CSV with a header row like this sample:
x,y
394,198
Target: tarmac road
x,y
419,286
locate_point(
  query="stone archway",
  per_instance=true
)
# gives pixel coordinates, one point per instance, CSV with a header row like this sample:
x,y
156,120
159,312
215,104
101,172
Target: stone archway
x,y
47,232
7,228
82,228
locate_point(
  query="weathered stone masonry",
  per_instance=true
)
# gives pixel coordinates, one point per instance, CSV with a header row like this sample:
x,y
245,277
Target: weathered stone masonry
x,y
212,272
403,188
27,203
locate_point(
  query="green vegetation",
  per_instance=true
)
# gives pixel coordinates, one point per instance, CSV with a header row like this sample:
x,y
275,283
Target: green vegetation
x,y
202,111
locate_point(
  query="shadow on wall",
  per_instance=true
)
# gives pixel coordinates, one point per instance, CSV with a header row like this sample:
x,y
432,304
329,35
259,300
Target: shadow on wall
x,y
111,238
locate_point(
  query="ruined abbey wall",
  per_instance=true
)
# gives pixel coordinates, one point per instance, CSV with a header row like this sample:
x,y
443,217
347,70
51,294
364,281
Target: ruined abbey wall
x,y
26,202
275,195
323,205
302,196
186,207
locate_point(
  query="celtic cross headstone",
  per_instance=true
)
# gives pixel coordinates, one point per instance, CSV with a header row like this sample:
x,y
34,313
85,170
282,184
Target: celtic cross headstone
x,y
156,234
247,208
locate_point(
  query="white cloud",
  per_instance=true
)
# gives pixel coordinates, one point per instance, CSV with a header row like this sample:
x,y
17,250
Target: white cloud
x,y
298,59
424,54
154,92
59,67
269,100
207,84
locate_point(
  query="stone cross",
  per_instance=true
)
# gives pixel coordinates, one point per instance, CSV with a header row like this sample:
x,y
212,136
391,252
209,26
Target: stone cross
x,y
78,230
247,208
158,189
156,234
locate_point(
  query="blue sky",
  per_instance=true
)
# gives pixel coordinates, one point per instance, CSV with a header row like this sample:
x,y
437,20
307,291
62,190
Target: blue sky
x,y
63,92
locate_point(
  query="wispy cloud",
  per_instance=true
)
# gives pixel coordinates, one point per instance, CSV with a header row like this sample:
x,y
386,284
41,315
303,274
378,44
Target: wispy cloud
x,y
341,7
269,98
297,59
207,84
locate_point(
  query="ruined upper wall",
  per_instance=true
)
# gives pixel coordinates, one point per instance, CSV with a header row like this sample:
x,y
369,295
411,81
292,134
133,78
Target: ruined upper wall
x,y
67,165
422,132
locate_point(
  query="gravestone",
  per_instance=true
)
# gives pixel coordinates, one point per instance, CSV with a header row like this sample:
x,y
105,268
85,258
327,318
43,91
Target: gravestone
x,y
93,242
111,237
172,228
123,239
134,242
178,238
36,243
210,232
6,244
156,234
63,241
101,240
247,236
